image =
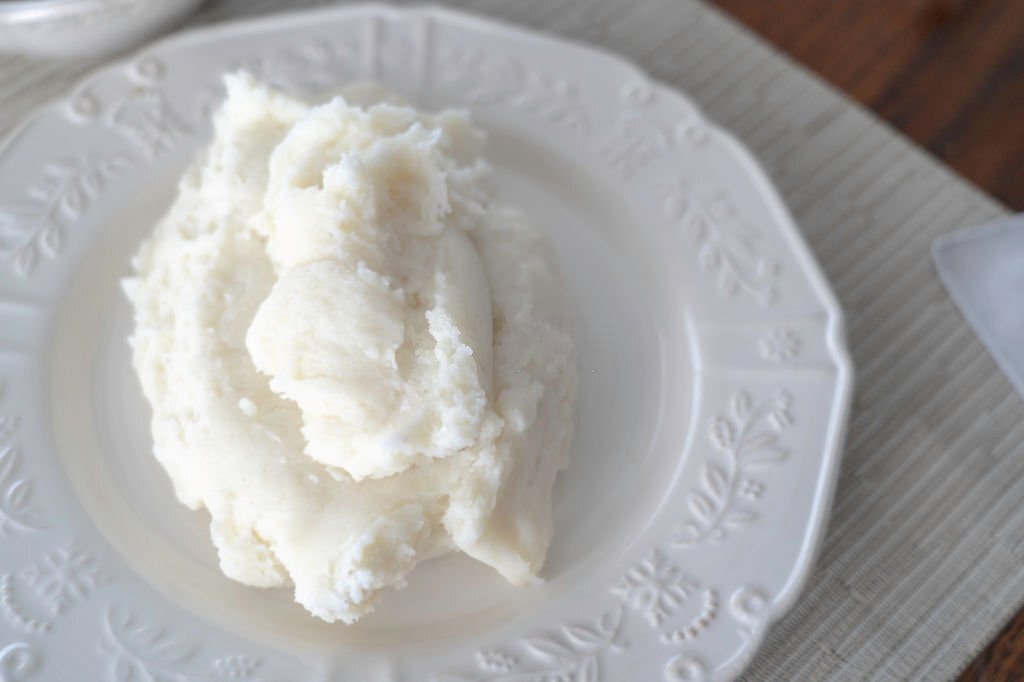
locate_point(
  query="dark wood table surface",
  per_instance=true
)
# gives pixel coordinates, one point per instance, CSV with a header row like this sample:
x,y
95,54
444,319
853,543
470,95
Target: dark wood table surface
x,y
950,75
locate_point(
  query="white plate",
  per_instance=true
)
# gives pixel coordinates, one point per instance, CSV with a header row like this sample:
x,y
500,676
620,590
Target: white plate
x,y
713,395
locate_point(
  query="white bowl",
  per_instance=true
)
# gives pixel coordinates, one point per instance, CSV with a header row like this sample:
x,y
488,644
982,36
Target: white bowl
x,y
714,380
67,28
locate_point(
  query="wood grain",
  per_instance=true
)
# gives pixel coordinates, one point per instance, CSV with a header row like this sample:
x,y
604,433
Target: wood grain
x,y
947,73
950,75
1003,659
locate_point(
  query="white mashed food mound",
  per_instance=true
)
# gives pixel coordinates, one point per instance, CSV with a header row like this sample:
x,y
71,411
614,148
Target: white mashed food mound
x,y
355,360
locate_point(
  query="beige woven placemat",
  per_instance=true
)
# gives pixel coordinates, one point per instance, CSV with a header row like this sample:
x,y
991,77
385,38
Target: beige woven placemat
x,y
922,563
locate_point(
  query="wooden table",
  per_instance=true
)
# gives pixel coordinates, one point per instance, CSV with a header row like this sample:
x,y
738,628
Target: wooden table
x,y
950,75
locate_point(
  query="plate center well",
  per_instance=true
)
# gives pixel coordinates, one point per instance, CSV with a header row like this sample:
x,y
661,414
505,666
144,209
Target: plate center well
x,y
633,404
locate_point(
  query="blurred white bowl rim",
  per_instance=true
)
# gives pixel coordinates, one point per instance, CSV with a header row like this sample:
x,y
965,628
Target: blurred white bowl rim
x,y
90,28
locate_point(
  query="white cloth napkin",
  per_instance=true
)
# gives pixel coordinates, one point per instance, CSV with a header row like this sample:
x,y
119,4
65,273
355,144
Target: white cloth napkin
x,y
983,269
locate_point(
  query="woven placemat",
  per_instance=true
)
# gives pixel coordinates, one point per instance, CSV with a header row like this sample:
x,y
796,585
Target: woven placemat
x,y
922,563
